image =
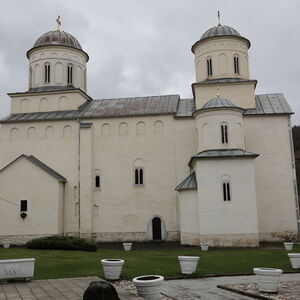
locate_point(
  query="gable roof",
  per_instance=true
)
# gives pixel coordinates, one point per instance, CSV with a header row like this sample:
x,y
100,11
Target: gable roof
x,y
189,183
40,164
266,104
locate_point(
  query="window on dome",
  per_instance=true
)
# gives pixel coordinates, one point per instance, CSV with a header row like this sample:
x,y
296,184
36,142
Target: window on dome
x,y
236,65
139,176
224,134
47,72
70,74
209,66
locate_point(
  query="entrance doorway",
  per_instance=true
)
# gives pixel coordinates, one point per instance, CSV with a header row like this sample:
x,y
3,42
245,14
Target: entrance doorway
x,y
156,228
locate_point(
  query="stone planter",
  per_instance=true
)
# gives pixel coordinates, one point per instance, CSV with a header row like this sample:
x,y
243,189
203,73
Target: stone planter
x,y
288,246
6,245
112,268
127,246
268,279
17,268
188,264
204,246
295,260
148,286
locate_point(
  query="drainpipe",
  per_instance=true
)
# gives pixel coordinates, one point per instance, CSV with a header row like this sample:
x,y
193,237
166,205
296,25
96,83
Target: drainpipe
x,y
78,190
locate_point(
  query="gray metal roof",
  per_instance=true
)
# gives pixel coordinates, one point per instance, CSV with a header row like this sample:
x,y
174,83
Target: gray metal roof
x,y
224,80
269,104
218,102
40,164
190,183
147,106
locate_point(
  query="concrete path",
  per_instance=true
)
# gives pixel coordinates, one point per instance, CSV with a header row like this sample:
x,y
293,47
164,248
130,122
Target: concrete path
x,y
206,288
58,289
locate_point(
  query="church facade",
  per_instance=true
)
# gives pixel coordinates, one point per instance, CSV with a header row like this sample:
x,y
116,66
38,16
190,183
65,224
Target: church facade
x,y
218,167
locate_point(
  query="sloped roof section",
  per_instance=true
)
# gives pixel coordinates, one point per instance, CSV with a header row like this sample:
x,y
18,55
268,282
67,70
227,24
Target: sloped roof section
x,y
218,102
40,164
269,104
190,183
185,108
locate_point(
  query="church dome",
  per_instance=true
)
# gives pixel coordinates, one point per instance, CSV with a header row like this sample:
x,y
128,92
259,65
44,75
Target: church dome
x,y
218,102
57,38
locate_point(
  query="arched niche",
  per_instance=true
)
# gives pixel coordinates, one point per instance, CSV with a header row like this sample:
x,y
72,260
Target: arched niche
x,y
49,132
158,127
105,129
37,74
222,64
31,133
205,130
79,76
58,73
140,128
24,106
14,134
63,103
123,129
43,105
154,231
67,131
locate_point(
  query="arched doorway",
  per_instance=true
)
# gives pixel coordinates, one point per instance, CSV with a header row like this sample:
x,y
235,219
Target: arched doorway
x,y
156,229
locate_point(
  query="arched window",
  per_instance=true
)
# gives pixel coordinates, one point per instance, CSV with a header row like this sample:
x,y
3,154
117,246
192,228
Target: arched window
x,y
226,191
236,64
139,176
97,182
209,66
47,72
70,74
156,229
30,77
224,134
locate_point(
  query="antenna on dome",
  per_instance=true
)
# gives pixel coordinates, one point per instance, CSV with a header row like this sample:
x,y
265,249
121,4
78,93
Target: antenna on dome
x,y
218,91
58,21
219,18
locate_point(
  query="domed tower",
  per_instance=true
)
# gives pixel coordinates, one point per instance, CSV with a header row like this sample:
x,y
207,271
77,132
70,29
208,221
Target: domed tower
x,y
221,58
57,75
57,59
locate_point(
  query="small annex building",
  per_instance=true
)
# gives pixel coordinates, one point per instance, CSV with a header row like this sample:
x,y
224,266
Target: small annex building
x,y
218,167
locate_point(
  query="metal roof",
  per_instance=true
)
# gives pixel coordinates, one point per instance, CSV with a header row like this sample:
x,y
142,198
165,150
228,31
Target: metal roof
x,y
147,106
40,164
190,183
218,102
224,80
269,104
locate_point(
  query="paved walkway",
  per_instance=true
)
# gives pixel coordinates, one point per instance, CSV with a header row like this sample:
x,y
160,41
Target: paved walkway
x,y
206,288
58,289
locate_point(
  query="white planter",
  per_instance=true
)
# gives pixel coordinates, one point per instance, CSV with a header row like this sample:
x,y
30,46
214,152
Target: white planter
x,y
204,247
149,286
6,245
112,268
188,264
127,246
295,260
268,279
17,268
288,246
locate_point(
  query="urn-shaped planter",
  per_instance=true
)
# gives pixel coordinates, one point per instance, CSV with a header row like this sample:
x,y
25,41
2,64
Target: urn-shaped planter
x,y
127,246
188,264
204,246
295,260
148,286
112,268
288,246
268,279
6,245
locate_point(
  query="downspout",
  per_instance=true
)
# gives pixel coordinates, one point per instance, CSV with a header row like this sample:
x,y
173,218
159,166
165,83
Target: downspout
x,y
294,178
65,210
78,190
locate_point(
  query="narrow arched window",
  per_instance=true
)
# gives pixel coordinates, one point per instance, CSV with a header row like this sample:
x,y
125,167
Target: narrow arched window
x,y
47,72
97,182
209,67
70,74
30,77
139,176
236,65
226,191
224,134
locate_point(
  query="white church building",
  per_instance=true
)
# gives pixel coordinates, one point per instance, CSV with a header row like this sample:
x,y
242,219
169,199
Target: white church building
x,y
218,167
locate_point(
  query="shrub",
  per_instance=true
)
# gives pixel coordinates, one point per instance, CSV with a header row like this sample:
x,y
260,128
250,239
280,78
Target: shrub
x,y
58,242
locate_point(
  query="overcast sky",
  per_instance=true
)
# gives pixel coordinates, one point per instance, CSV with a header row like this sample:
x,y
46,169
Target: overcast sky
x,y
142,47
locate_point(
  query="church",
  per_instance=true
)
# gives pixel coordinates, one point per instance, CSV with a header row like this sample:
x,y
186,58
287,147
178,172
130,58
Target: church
x,y
217,168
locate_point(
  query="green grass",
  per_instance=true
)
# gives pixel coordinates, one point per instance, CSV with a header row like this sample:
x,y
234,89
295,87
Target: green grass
x,y
64,263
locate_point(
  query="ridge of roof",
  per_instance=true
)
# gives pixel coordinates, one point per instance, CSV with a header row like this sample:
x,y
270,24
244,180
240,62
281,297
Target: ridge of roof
x,y
189,183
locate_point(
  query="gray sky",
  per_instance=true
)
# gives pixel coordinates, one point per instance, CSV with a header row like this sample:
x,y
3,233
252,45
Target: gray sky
x,y
142,47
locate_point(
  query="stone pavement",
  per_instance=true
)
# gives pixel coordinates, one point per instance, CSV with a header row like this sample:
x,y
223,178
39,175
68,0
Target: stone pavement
x,y
206,288
59,289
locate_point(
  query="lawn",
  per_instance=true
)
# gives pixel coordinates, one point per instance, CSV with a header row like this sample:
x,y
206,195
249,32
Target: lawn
x,y
64,263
